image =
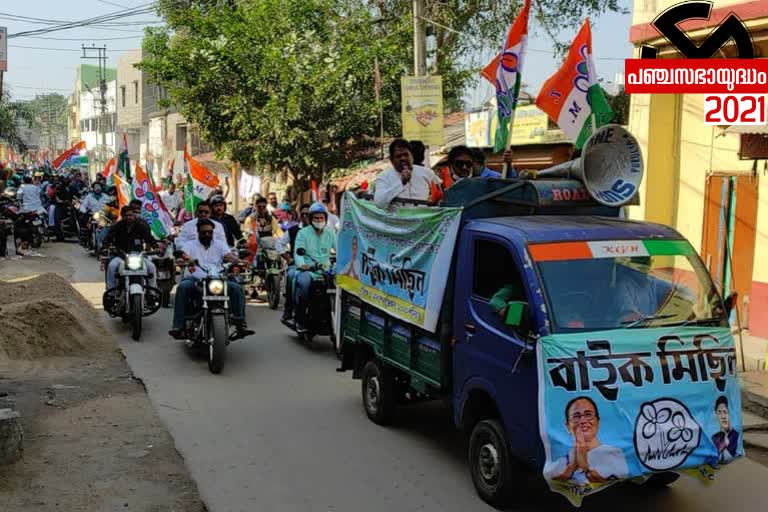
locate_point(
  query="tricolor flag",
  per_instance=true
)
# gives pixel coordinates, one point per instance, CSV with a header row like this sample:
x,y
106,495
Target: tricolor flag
x,y
152,208
124,193
572,97
504,73
315,191
123,162
76,156
109,172
200,183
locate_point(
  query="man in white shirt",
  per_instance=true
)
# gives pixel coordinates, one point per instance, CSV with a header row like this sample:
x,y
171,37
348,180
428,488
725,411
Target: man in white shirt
x,y
206,253
402,179
29,195
333,220
188,232
172,199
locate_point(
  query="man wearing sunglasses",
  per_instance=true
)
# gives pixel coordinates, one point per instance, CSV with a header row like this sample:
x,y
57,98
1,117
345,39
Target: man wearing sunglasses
x,y
285,246
188,231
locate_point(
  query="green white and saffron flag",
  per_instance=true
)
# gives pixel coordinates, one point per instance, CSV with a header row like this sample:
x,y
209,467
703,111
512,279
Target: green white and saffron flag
x,y
572,97
504,73
200,183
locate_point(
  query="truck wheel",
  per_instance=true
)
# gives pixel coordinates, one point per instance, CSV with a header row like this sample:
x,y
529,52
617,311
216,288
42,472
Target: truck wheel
x,y
217,350
490,463
137,311
661,480
378,393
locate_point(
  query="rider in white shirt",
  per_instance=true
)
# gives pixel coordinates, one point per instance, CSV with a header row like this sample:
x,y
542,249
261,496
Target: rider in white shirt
x,y
95,201
29,195
172,199
188,231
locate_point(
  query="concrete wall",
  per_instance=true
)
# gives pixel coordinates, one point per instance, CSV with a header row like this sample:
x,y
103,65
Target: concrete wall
x,y
129,104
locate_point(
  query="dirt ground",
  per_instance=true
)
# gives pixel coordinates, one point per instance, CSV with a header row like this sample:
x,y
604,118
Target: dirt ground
x,y
92,441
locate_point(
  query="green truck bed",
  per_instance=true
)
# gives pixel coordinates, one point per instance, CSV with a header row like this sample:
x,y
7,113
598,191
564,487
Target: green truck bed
x,y
419,353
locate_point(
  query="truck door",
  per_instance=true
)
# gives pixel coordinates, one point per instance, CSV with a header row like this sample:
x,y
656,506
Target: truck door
x,y
488,355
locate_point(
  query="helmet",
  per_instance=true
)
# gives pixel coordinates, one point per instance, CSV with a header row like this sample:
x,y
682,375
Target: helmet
x,y
318,208
217,199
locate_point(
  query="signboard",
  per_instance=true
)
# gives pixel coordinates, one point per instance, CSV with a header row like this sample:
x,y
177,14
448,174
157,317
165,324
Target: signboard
x,y
753,146
422,109
397,261
530,127
3,49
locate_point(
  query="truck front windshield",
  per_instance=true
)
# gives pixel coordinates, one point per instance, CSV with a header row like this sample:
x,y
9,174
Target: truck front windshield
x,y
593,286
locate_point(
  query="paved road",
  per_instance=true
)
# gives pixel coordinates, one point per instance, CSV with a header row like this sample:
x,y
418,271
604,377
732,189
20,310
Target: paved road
x,y
280,430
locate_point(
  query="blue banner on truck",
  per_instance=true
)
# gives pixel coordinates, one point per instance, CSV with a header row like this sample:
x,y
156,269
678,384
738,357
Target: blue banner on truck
x,y
626,403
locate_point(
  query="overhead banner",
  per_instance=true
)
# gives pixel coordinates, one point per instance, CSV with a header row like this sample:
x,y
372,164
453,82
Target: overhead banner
x,y
530,127
3,49
422,109
626,403
396,261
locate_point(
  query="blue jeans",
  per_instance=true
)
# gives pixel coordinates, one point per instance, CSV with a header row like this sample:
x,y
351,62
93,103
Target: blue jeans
x,y
290,275
301,288
186,292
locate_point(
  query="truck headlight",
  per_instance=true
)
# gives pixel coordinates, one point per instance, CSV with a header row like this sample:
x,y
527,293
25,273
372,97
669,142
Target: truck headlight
x,y
134,262
216,287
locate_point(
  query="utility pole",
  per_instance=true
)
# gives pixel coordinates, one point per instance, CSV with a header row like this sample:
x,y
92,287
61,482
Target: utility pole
x,y
419,39
102,58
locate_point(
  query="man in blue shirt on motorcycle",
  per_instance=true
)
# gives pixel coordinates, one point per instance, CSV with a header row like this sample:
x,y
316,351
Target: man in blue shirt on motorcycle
x,y
317,240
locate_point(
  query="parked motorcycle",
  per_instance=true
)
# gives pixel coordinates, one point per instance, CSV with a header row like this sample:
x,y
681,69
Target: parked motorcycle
x,y
133,298
320,304
209,326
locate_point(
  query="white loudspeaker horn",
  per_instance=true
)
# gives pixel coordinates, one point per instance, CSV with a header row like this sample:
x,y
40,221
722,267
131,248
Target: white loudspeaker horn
x,y
610,166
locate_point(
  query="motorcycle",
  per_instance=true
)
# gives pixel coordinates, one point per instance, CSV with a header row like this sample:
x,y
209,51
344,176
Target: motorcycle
x,y
268,274
133,298
165,265
27,228
209,326
319,316
98,224
69,227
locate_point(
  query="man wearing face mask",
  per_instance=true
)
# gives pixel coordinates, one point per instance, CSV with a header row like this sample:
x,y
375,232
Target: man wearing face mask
x,y
210,254
95,200
188,231
402,179
317,240
128,235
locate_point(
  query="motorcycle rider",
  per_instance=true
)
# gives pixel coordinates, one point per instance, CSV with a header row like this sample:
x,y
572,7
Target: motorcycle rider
x,y
265,225
220,215
205,251
188,231
29,196
129,235
172,199
317,240
62,201
285,245
95,200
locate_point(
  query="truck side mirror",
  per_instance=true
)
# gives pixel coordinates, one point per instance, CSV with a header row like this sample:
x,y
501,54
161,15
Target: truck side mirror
x,y
300,251
516,313
730,303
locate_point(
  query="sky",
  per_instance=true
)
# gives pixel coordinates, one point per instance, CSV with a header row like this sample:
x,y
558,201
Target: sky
x,y
36,71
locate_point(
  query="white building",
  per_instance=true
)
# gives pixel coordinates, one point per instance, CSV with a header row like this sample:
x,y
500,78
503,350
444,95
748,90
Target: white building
x,y
97,126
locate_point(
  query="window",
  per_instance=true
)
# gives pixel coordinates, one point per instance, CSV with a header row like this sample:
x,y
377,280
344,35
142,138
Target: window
x,y
494,269
181,136
136,92
122,96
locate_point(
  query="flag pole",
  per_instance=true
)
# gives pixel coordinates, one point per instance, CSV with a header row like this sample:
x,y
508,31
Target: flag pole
x,y
508,143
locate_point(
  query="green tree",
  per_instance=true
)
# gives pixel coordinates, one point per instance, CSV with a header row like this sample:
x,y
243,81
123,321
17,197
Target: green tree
x,y
286,84
620,105
12,114
50,115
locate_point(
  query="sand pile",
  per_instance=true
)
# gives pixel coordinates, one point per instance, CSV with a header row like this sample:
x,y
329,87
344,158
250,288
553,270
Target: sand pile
x,y
44,317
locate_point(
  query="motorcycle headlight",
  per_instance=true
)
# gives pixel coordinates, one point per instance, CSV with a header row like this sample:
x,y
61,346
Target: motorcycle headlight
x,y
216,287
97,216
134,262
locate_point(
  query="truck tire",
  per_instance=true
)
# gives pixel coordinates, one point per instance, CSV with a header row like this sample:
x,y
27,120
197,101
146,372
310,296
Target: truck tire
x,y
490,465
661,480
378,393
